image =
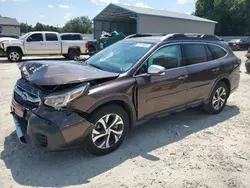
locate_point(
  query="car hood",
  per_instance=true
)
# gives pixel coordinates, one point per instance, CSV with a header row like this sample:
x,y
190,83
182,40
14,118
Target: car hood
x,y
2,39
48,73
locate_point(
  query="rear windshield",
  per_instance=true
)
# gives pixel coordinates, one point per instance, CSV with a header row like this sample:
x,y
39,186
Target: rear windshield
x,y
120,56
71,37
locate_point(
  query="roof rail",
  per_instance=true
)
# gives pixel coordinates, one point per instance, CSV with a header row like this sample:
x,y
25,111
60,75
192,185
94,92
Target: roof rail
x,y
188,36
144,35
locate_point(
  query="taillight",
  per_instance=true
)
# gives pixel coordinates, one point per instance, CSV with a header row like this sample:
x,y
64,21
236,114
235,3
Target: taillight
x,y
87,45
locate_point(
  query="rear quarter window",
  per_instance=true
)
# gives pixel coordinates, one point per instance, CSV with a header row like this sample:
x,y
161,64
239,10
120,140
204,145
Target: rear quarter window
x,y
71,37
217,52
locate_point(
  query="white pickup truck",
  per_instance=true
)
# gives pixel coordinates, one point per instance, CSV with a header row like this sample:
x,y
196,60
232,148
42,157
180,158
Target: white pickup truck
x,y
42,43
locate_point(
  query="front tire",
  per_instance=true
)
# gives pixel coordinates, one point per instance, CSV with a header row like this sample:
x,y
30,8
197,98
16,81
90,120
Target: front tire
x,y
14,55
218,99
111,127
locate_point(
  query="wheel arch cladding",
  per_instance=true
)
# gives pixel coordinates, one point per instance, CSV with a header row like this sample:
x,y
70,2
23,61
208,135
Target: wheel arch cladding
x,y
224,79
74,48
13,48
129,108
227,82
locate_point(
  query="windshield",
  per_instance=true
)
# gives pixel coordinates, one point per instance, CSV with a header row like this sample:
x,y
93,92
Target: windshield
x,y
119,57
24,36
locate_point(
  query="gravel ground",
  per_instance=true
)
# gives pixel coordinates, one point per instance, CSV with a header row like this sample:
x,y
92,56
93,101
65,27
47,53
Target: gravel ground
x,y
189,149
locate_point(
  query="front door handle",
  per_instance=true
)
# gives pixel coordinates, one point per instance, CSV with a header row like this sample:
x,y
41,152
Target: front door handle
x,y
183,77
216,70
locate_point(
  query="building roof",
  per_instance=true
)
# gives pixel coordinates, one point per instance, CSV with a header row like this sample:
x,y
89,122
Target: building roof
x,y
9,21
152,12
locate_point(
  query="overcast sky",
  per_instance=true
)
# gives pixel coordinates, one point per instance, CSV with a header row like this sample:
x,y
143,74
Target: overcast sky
x,y
57,12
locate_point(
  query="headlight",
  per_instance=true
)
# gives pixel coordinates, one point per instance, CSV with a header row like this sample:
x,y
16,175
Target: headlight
x,y
1,46
61,100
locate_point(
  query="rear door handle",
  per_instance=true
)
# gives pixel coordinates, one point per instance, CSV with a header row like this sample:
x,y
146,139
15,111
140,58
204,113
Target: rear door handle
x,y
183,77
216,70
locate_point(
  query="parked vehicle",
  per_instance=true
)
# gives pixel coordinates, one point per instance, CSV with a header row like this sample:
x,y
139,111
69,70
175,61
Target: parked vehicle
x,y
105,40
95,104
239,44
8,35
247,64
42,43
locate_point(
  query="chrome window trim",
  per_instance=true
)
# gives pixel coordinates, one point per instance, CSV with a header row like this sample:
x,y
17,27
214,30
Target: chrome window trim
x,y
29,98
205,43
180,43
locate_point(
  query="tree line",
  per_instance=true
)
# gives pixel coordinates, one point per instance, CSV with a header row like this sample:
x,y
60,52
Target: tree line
x,y
77,25
233,16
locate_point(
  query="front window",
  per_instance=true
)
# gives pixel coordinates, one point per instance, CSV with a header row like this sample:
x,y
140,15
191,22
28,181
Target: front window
x,y
168,57
119,57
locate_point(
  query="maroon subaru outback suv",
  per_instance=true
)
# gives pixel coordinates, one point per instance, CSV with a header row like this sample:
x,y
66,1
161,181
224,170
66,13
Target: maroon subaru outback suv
x,y
95,103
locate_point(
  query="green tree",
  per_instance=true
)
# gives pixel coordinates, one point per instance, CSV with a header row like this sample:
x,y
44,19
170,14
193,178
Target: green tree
x,y
25,28
79,25
232,15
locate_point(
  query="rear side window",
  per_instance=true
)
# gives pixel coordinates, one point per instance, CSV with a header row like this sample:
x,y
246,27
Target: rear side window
x,y
194,53
35,37
216,51
51,37
71,37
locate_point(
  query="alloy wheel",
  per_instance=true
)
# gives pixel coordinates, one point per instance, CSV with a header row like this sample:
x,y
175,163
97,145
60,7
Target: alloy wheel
x,y
14,56
108,131
219,98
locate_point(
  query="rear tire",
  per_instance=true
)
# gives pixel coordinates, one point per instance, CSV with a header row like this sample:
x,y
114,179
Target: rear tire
x,y
14,55
111,127
73,53
218,99
92,50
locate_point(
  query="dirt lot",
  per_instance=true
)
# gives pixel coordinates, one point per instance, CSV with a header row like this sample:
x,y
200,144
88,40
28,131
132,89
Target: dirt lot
x,y
189,149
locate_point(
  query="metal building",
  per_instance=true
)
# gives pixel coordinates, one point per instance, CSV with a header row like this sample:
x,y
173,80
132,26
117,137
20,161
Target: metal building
x,y
131,19
9,25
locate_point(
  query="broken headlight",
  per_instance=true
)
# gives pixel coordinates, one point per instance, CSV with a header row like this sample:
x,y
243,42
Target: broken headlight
x,y
61,100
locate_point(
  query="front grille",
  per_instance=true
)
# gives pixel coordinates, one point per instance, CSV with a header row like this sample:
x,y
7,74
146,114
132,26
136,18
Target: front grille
x,y
24,103
42,140
25,98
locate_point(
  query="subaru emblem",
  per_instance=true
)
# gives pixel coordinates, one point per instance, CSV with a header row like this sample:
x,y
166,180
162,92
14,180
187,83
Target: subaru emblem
x,y
24,96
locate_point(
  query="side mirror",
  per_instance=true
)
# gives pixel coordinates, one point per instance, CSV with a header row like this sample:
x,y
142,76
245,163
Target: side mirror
x,y
156,70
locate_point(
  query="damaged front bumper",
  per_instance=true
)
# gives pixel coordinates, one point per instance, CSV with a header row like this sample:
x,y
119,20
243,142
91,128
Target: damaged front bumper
x,y
50,129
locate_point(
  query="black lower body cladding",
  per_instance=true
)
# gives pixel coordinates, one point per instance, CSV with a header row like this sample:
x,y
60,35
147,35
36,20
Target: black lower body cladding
x,y
53,130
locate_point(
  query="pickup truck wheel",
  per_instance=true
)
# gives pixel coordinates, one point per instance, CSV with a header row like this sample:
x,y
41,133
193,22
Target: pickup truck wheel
x,y
14,55
111,127
92,50
73,53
